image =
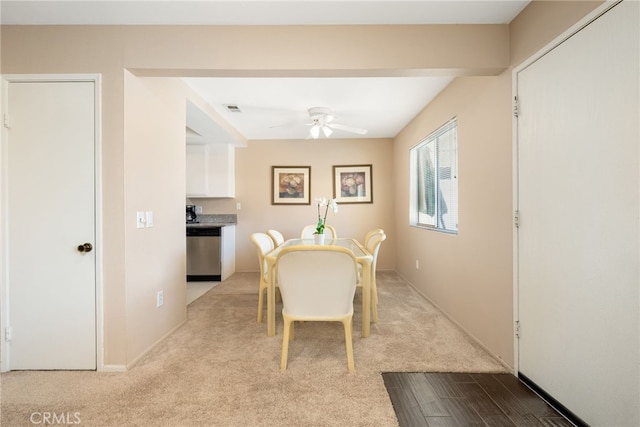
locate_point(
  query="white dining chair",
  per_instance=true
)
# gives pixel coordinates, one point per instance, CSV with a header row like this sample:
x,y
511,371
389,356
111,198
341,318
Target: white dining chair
x,y
264,245
373,240
276,236
371,233
317,283
307,231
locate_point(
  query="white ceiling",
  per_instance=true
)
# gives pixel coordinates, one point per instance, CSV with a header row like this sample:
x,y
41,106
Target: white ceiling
x,y
259,12
276,108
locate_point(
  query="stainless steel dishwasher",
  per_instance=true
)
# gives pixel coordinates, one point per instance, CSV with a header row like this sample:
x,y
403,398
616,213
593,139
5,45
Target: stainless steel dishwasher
x,y
204,254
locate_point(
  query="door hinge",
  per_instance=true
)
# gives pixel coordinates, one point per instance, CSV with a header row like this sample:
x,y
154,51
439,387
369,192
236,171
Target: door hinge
x,y
7,121
517,329
8,333
516,218
516,106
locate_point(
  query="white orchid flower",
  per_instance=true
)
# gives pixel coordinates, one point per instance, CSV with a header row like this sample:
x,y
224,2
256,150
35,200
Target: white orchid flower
x,y
334,206
323,202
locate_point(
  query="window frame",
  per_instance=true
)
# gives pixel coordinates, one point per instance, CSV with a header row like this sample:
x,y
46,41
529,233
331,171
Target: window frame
x,y
433,138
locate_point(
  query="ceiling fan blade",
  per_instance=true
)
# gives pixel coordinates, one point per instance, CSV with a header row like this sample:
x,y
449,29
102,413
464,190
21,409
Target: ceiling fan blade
x,y
346,128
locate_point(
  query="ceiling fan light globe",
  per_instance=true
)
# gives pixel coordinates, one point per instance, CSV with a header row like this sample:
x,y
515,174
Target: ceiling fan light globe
x,y
327,131
314,131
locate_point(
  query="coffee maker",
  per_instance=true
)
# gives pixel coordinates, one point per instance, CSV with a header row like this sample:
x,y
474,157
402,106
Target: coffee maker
x,y
191,214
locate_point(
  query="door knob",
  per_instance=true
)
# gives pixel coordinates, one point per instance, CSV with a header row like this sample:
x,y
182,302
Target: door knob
x,y
85,247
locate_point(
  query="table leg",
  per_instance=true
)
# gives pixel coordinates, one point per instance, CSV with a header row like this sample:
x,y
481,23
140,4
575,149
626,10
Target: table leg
x,y
366,300
271,304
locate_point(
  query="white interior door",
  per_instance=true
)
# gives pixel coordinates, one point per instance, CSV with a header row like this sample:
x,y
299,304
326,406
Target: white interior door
x,y
578,241
51,212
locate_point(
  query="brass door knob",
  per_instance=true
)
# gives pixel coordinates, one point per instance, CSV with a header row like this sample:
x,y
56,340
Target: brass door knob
x,y
85,247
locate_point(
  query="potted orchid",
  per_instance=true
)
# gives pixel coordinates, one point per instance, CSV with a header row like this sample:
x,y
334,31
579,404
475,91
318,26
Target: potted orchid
x,y
323,203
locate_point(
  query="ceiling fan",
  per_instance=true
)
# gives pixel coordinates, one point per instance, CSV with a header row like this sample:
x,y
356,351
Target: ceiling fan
x,y
322,123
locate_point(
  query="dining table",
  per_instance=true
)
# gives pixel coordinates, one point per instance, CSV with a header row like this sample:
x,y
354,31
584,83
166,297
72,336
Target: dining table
x,y
363,257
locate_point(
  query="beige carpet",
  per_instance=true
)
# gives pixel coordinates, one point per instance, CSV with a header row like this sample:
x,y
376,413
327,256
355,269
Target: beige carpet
x,y
220,369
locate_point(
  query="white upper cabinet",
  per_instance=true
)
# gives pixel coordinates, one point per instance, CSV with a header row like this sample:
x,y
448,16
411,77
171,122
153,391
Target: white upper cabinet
x,y
210,160
210,170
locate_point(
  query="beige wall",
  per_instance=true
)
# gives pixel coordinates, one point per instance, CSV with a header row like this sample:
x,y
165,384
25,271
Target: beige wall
x,y
253,191
360,50
131,264
155,111
470,275
541,22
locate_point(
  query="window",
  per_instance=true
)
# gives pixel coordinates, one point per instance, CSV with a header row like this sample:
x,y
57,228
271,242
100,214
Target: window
x,y
434,180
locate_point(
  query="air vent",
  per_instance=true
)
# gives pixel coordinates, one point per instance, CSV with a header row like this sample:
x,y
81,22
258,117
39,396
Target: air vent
x,y
233,108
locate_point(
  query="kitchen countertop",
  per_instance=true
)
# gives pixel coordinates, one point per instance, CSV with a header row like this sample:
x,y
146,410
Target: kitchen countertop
x,y
214,220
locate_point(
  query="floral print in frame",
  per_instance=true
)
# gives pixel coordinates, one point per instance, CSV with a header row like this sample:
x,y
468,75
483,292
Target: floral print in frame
x,y
352,184
290,185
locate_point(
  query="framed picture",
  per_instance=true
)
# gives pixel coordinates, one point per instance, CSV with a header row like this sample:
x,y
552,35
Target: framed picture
x,y
290,185
352,184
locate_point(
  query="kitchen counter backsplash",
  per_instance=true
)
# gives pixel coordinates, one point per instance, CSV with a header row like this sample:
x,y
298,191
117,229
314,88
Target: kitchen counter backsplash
x,y
217,219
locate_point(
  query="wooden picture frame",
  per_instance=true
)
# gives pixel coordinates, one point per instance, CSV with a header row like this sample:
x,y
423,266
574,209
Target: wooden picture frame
x,y
291,185
352,184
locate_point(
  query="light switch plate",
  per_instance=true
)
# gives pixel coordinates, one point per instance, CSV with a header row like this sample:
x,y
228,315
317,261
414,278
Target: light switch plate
x,y
140,219
159,298
149,218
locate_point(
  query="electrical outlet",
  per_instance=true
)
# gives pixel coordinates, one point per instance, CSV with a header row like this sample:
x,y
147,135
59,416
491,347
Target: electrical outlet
x,y
417,265
238,206
160,298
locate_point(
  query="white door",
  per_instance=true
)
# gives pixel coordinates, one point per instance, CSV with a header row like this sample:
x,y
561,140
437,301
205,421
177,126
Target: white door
x,y
578,241
51,215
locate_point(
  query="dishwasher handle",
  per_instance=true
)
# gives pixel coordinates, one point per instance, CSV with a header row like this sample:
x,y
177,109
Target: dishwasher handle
x,y
204,231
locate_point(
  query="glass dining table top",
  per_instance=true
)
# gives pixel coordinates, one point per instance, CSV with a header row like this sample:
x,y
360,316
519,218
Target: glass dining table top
x,y
347,243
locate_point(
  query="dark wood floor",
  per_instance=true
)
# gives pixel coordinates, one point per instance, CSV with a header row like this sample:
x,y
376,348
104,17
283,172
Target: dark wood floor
x,y
458,399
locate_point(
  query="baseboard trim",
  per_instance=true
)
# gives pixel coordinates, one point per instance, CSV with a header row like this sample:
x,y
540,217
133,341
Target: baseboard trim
x,y
502,362
152,346
563,410
114,368
128,366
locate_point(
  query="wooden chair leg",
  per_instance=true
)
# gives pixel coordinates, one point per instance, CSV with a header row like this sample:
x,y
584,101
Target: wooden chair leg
x,y
285,343
260,303
348,339
374,301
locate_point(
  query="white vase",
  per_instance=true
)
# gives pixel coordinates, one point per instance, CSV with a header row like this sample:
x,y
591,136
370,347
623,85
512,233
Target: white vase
x,y
319,238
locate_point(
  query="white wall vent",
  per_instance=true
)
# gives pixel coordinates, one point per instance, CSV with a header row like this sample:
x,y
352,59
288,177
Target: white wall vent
x,y
233,108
